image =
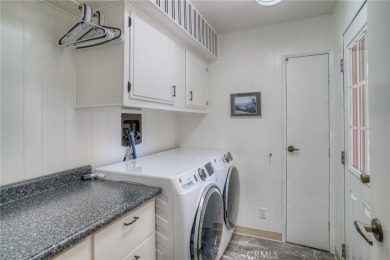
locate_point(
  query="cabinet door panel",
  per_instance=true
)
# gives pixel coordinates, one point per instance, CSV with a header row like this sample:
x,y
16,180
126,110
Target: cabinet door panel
x,y
122,237
147,250
197,82
153,63
81,251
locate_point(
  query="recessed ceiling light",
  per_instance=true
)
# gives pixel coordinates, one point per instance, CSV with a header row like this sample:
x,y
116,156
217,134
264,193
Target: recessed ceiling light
x,y
268,2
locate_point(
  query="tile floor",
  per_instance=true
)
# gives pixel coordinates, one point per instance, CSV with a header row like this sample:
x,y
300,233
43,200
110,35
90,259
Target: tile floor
x,y
253,248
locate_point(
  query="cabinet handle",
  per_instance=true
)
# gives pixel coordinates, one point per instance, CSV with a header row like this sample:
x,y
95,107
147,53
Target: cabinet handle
x,y
136,257
173,91
190,95
131,222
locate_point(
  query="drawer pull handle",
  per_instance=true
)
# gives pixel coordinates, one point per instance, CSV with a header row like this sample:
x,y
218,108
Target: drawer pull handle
x,y
131,222
137,257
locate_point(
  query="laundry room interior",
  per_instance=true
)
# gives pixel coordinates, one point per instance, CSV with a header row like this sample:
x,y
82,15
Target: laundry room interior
x,y
195,129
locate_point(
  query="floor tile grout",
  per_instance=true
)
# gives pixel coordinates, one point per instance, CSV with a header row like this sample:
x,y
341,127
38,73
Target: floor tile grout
x,y
253,248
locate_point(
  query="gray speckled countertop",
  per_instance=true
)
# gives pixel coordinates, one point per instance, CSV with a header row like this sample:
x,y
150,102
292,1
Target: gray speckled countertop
x,y
42,225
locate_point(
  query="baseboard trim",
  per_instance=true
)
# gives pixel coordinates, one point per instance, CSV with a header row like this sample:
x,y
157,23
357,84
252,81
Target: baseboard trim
x,y
258,233
336,254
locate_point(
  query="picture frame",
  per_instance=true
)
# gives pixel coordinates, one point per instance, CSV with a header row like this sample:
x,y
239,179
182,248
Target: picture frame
x,y
245,104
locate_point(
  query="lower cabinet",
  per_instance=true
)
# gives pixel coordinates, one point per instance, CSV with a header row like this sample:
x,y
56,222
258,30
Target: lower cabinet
x,y
81,251
131,237
123,236
145,251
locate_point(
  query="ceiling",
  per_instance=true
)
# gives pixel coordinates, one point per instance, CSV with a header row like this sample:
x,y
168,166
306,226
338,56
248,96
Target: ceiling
x,y
233,15
71,6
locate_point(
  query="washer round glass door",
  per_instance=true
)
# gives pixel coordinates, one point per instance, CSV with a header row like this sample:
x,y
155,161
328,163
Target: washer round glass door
x,y
207,229
231,197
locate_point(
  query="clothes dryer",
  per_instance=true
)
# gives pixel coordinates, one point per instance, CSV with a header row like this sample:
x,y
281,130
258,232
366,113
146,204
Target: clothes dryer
x,y
228,181
186,208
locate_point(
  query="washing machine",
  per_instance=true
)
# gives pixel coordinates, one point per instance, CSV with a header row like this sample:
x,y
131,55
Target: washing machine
x,y
228,182
189,211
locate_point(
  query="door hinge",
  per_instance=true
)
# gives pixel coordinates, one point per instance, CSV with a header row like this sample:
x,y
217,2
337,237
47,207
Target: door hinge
x,y
341,65
129,23
328,225
343,251
173,91
128,86
207,103
329,152
342,157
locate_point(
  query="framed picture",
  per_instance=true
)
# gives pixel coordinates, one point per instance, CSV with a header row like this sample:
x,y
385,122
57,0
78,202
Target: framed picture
x,y
245,104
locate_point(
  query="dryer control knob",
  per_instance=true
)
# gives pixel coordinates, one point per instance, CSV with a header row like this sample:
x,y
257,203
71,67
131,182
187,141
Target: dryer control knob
x,y
227,159
202,174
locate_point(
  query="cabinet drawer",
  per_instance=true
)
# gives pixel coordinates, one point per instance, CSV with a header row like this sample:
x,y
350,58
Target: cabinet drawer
x,y
123,236
81,251
146,251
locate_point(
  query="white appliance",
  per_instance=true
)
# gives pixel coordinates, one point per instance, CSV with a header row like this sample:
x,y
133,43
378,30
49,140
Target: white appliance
x,y
189,217
228,181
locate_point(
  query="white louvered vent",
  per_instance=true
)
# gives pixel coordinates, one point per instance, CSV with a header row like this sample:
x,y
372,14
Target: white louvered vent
x,y
190,20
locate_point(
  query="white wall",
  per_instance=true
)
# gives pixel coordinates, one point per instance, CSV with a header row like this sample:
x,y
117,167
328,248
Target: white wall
x,y
251,60
41,133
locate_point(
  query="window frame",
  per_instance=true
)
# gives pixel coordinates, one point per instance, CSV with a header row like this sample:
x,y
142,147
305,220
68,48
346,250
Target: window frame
x,y
358,121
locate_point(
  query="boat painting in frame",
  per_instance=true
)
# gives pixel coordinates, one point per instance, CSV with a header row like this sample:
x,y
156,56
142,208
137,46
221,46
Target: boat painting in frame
x,y
245,104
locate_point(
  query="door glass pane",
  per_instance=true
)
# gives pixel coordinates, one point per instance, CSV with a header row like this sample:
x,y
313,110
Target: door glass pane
x,y
355,148
362,101
354,65
363,151
362,47
354,109
212,227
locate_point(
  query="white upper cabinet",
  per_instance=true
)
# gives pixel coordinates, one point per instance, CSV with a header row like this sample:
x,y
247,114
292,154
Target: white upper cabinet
x,y
181,19
197,82
148,69
153,63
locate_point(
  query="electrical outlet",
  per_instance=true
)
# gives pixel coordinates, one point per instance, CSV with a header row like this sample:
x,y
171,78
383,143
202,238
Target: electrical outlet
x,y
262,213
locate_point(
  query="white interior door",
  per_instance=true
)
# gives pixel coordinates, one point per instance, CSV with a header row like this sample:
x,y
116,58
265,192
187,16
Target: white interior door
x,y
308,167
357,194
367,92
379,114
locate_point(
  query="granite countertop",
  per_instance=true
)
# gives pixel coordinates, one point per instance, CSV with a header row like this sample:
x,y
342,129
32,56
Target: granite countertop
x,y
42,224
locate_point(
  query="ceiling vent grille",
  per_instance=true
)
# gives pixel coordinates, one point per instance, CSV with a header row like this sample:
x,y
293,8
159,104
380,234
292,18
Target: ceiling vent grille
x,y
189,19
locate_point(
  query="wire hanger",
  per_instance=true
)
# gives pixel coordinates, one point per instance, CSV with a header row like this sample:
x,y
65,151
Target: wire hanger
x,y
85,33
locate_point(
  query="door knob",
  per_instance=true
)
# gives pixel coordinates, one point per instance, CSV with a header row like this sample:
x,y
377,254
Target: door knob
x,y
375,228
292,149
364,178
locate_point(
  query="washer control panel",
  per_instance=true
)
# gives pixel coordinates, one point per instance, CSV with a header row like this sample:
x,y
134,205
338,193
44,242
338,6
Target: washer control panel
x,y
190,180
202,174
220,161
